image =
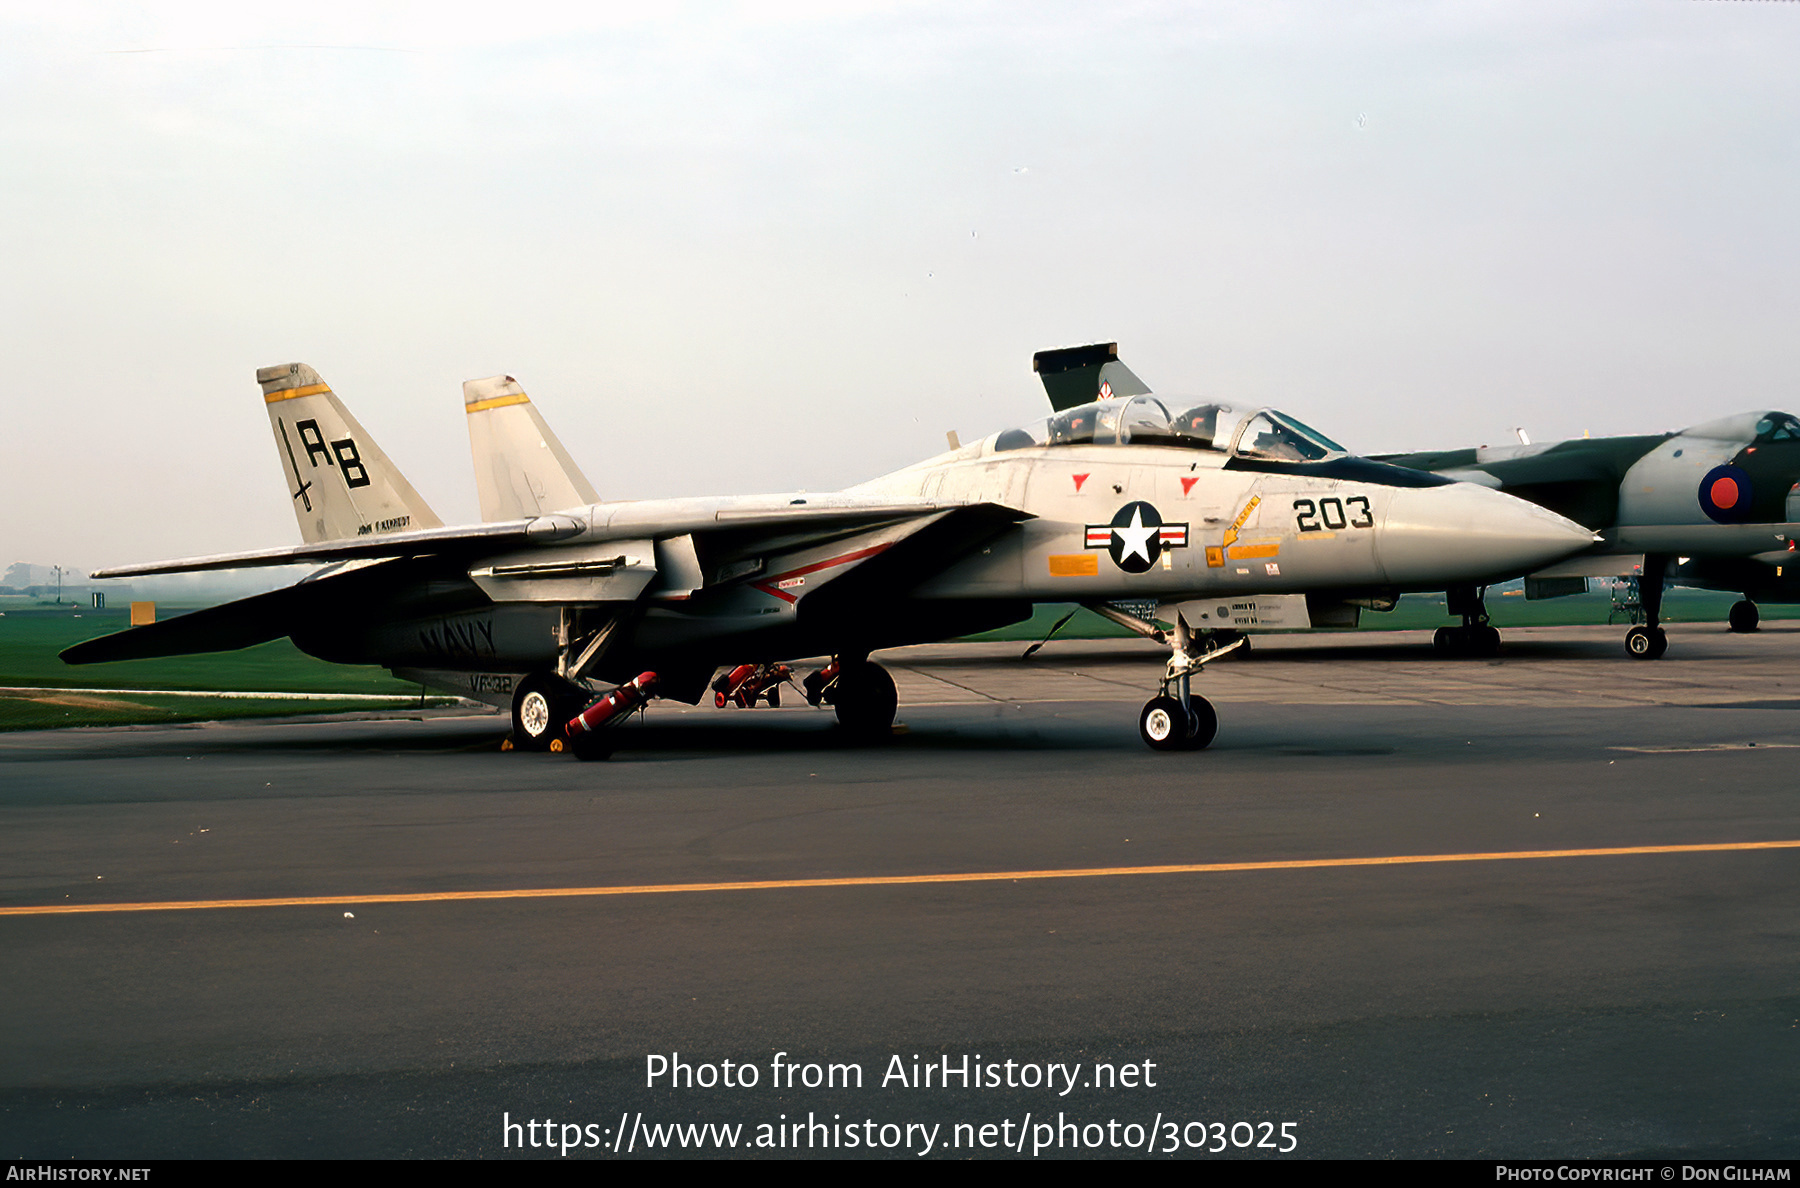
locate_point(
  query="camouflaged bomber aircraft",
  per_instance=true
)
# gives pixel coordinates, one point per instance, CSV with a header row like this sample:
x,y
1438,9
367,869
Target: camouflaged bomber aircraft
x,y
1714,506
1187,507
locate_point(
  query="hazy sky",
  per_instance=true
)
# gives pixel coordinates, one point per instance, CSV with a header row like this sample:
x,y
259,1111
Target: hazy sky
x,y
731,248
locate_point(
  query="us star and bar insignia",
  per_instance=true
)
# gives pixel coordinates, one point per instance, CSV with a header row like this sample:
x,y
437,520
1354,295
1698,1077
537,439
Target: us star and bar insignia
x,y
1136,537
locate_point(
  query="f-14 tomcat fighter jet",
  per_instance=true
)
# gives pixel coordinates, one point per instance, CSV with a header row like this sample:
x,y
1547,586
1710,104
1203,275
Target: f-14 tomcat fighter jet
x,y
1715,506
1126,499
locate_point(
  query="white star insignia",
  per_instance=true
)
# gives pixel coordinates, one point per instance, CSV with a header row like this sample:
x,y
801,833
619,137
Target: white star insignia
x,y
1135,539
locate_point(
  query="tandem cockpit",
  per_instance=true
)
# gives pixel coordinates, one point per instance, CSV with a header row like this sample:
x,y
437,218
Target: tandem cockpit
x,y
1150,420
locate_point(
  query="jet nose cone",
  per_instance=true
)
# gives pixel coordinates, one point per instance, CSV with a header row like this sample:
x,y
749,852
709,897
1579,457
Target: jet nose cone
x,y
1466,533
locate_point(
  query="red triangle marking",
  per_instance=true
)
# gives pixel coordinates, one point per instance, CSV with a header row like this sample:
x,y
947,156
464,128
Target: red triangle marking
x,y
1187,484
1079,479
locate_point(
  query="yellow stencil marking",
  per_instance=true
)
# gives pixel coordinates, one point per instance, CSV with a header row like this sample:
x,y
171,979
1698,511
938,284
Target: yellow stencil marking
x,y
1074,564
1231,533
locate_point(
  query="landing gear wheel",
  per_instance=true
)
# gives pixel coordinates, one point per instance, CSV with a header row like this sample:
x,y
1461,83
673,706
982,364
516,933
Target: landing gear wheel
x,y
866,698
1478,640
1163,726
1203,725
1744,616
1646,643
542,705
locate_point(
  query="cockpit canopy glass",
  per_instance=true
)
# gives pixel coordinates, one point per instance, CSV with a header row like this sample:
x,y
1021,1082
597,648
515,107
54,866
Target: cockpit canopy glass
x,y
1778,426
1153,420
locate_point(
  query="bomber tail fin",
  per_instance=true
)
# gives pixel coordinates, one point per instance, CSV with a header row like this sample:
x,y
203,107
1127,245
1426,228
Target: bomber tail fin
x,y
1076,375
342,483
521,469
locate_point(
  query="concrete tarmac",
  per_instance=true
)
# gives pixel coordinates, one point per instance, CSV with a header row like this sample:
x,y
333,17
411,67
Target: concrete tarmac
x,y
1643,1004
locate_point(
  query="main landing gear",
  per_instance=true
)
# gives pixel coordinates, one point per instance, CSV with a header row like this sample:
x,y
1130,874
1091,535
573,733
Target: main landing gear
x,y
1475,639
542,706
1647,641
860,690
1744,616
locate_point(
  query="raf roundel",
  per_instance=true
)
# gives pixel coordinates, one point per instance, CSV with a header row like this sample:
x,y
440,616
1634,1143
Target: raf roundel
x,y
1725,495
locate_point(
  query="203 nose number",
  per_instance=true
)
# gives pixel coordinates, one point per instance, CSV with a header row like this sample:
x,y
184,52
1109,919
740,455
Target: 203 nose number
x,y
1331,515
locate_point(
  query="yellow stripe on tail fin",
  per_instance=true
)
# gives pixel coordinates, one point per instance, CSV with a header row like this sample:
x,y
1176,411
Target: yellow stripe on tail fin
x,y
342,484
521,469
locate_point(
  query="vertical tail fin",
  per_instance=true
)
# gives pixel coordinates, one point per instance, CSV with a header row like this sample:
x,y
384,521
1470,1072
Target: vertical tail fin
x,y
1076,375
521,469
342,483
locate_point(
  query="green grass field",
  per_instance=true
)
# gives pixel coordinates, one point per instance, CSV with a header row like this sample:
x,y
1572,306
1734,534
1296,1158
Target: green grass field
x,y
32,635
31,638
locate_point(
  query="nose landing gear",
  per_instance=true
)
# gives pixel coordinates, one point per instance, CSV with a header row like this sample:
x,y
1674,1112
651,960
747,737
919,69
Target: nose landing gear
x,y
1175,719
1165,726
1476,638
1648,641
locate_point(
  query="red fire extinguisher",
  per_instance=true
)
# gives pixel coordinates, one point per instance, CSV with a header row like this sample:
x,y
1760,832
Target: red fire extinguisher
x,y
622,700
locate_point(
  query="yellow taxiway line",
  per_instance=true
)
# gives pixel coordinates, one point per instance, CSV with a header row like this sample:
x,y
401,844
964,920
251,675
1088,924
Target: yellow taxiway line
x,y
999,876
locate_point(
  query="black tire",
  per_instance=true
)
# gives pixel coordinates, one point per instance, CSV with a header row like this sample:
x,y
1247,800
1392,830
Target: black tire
x,y
542,705
866,698
1744,616
1643,644
1487,641
1203,725
1162,725
1447,642
591,746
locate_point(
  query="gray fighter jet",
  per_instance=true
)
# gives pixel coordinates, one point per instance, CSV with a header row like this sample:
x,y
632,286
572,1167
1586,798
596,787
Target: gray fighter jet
x,y
1144,509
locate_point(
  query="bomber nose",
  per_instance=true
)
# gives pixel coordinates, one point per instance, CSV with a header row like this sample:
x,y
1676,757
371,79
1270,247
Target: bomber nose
x,y
1467,533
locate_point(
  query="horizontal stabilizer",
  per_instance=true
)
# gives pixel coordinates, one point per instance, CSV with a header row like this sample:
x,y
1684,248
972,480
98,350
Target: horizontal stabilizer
x,y
226,628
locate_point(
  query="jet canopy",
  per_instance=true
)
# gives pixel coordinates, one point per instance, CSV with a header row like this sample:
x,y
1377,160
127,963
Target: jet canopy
x,y
1777,426
1153,420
